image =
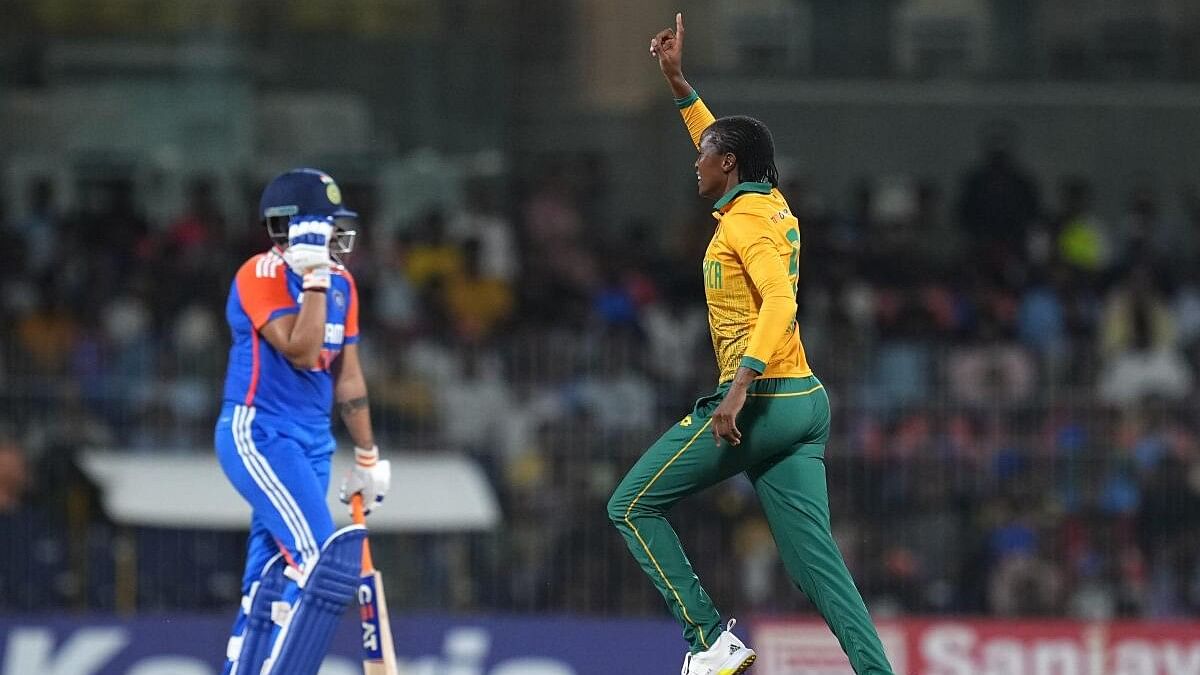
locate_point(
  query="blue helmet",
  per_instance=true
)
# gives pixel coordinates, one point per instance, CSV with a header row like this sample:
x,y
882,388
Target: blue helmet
x,y
304,192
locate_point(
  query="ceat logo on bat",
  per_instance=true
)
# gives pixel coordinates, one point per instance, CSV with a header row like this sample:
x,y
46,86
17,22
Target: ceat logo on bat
x,y
369,619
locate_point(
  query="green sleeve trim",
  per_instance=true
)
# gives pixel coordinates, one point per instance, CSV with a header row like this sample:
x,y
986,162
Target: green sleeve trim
x,y
753,364
687,100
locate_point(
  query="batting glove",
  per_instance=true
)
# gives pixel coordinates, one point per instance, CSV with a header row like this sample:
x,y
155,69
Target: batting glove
x,y
308,250
370,475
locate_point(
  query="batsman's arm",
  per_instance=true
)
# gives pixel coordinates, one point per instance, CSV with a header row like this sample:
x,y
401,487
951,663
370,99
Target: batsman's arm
x,y
295,332
299,336
370,475
350,392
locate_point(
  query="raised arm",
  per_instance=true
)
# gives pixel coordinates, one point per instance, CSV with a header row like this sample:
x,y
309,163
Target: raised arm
x,y
667,47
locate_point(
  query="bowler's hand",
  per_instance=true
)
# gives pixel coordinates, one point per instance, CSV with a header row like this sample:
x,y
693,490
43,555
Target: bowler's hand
x,y
724,418
667,47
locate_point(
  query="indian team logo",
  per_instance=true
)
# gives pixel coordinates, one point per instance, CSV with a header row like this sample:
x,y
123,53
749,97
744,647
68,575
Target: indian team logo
x,y
331,189
339,299
334,194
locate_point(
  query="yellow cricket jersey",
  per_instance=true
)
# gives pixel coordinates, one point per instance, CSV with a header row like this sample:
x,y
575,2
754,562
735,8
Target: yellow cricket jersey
x,y
751,273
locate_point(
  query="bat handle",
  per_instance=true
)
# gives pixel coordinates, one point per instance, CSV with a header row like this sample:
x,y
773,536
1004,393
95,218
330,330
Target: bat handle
x,y
356,512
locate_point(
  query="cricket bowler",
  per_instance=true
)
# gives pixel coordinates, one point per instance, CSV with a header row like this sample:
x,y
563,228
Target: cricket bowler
x,y
769,416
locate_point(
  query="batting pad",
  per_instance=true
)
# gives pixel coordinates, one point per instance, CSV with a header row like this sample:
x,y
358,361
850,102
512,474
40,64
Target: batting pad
x,y
255,640
326,590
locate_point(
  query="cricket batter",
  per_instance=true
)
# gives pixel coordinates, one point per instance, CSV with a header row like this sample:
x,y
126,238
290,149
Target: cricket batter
x,y
769,416
293,312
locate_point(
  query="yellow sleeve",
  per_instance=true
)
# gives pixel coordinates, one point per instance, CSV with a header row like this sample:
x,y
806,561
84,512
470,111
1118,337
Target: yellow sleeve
x,y
750,238
695,115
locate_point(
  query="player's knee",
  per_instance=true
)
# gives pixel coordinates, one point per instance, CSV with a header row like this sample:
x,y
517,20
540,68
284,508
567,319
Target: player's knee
x,y
618,506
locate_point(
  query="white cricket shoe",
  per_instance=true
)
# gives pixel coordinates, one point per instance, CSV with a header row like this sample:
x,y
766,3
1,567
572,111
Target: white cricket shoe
x,y
727,656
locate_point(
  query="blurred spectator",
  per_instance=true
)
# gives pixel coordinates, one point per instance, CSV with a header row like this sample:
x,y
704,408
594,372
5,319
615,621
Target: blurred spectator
x,y
1025,584
127,330
1042,323
1022,582
396,301
14,476
1166,528
991,371
432,258
478,304
40,228
33,574
47,331
938,242
613,303
562,267
198,359
1082,240
899,374
1145,235
110,223
892,239
675,332
620,399
200,225
901,584
481,221
849,231
999,199
1139,344
479,409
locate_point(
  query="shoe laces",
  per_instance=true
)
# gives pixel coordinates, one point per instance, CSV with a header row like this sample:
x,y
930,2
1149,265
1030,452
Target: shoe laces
x,y
729,626
687,662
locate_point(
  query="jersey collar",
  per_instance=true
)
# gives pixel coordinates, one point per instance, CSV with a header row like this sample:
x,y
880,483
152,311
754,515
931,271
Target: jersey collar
x,y
737,190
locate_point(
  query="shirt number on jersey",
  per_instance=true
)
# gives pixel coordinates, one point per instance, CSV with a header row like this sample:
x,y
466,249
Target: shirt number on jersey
x,y
793,237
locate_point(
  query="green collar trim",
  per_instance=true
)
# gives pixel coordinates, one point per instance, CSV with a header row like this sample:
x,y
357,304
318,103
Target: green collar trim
x,y
760,188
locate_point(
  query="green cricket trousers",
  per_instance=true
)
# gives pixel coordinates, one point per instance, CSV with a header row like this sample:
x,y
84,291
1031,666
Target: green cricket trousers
x,y
785,425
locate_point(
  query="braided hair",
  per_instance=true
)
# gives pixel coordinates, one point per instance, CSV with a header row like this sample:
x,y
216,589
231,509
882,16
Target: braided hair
x,y
750,141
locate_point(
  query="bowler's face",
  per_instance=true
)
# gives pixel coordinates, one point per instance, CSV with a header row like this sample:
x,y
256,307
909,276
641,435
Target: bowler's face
x,y
712,167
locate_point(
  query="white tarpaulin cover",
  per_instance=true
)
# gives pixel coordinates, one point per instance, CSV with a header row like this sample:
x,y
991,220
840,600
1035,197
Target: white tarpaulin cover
x,y
429,493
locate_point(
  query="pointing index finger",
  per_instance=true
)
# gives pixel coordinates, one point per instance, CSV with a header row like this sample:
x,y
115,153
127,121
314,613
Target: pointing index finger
x,y
679,25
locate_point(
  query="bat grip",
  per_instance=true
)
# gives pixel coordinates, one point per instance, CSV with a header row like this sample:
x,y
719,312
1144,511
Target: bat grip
x,y
356,512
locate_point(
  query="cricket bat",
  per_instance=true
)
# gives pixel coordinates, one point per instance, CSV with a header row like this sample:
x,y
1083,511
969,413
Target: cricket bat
x,y
379,653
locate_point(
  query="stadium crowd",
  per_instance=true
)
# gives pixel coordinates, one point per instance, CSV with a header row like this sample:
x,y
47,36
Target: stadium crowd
x,y
1013,377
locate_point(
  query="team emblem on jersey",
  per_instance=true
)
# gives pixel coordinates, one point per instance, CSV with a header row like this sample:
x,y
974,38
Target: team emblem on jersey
x,y
339,299
686,421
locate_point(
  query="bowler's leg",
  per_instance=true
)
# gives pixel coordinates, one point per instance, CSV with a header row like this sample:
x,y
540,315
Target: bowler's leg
x,y
683,461
795,498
